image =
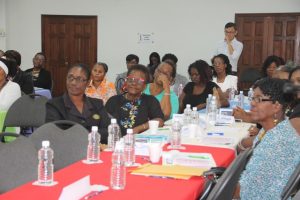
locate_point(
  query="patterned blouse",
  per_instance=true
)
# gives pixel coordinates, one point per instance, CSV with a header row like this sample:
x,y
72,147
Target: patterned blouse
x,y
105,90
273,161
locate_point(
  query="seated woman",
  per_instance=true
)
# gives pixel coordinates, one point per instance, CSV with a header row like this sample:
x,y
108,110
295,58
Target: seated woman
x,y
99,87
221,74
277,147
196,92
270,65
294,116
134,109
9,91
269,69
77,107
161,88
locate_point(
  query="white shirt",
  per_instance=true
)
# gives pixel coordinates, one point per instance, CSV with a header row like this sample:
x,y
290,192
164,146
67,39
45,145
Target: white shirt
x,y
230,81
9,94
234,58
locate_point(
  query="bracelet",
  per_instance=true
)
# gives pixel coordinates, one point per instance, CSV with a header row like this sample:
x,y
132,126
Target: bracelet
x,y
240,145
167,94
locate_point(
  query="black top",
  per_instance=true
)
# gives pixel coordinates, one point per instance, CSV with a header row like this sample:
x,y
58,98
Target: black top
x,y
131,114
43,80
195,100
93,114
24,80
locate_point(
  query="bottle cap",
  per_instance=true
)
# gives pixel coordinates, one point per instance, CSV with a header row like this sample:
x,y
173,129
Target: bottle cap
x,y
94,128
241,92
209,95
113,121
188,105
130,131
194,108
214,97
45,143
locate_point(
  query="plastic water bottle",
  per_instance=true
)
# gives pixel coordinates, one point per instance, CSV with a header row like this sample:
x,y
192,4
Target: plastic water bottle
x,y
187,114
250,94
208,100
176,134
195,116
129,150
180,89
45,167
213,111
241,100
231,93
114,134
93,150
118,169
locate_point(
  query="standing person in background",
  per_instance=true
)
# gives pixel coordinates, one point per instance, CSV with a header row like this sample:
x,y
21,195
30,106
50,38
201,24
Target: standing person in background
x,y
230,46
221,74
99,87
22,78
40,76
179,79
154,61
131,60
9,91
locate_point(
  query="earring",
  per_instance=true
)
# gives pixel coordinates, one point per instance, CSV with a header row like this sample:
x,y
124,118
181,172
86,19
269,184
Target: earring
x,y
275,120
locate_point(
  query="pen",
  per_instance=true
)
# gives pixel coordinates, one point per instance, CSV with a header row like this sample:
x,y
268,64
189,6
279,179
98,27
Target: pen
x,y
163,129
202,157
216,133
163,177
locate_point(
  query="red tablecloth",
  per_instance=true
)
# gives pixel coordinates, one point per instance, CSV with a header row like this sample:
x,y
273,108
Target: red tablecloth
x,y
137,187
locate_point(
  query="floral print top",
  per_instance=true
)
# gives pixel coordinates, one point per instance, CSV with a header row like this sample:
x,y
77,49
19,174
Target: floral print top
x,y
105,90
132,108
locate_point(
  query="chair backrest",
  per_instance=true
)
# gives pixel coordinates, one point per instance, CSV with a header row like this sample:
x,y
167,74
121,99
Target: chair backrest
x,y
225,186
248,77
292,184
69,145
27,111
18,163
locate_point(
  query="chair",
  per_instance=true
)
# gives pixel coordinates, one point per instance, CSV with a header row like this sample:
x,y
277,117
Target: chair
x,y
18,163
248,77
292,185
69,144
27,111
225,186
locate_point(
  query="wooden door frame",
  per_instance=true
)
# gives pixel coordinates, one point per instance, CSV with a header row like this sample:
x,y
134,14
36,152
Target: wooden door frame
x,y
292,14
73,16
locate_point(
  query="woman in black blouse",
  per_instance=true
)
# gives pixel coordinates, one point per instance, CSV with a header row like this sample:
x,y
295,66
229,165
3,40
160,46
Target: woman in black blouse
x,y
134,109
196,92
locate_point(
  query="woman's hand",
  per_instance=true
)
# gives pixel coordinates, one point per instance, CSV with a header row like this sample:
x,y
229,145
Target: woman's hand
x,y
216,94
253,131
165,82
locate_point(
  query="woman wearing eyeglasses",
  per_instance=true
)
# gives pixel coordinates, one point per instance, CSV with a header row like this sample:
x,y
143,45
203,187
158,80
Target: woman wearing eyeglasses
x,y
276,148
99,87
75,106
134,109
164,76
196,92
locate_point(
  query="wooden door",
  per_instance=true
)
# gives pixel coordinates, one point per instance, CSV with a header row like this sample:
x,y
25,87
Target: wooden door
x,y
264,35
67,40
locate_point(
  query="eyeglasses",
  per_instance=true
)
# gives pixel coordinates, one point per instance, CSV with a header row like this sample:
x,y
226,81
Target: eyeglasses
x,y
259,99
136,80
78,79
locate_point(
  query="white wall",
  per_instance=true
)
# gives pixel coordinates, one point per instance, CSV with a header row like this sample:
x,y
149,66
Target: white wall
x,y
190,29
2,25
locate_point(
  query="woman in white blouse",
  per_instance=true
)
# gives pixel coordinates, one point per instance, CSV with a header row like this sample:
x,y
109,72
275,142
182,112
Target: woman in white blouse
x,y
9,91
221,73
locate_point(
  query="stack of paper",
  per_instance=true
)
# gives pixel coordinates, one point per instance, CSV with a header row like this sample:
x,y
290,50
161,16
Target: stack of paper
x,y
165,171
